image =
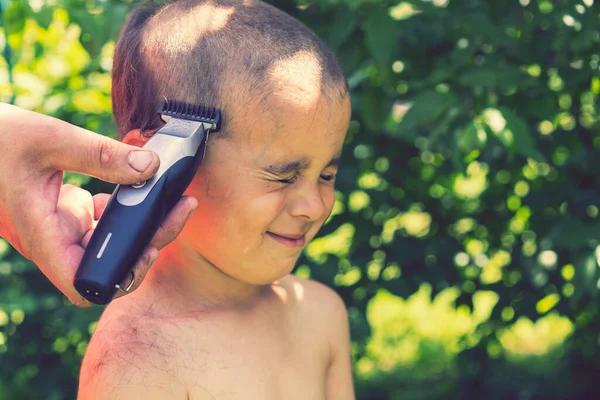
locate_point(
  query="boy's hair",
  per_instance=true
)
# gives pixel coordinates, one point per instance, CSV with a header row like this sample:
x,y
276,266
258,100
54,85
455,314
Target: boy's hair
x,y
207,52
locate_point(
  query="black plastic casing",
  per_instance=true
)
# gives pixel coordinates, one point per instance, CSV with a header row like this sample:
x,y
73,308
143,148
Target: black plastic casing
x,y
132,228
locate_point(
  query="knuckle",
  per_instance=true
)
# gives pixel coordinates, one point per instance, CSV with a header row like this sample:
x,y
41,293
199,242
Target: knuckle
x,y
170,233
67,188
105,153
145,266
158,240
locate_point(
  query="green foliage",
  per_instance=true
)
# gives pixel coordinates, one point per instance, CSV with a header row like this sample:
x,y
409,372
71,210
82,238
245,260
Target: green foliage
x,y
469,171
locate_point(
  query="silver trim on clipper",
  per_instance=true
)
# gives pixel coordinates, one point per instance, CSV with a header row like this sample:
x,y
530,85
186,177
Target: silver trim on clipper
x,y
101,251
179,138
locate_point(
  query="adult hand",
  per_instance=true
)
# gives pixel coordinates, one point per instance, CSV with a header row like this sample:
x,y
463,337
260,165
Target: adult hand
x,y
50,223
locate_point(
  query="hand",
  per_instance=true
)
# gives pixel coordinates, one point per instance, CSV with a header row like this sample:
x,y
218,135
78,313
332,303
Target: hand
x,y
51,223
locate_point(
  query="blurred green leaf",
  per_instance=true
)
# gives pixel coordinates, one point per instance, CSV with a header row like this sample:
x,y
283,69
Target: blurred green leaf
x,y
473,136
485,77
14,16
343,24
522,136
381,35
44,16
426,108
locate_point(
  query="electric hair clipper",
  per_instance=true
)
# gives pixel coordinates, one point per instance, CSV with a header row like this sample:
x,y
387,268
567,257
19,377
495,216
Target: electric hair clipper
x,y
134,212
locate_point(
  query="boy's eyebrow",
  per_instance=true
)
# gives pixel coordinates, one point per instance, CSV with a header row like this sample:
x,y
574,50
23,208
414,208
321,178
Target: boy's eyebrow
x,y
286,168
335,162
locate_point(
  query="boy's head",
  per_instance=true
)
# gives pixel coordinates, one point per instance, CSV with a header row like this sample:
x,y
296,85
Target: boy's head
x,y
266,184
215,53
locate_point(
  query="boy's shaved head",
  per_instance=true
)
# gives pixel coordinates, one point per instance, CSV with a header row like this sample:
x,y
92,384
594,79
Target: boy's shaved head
x,y
230,54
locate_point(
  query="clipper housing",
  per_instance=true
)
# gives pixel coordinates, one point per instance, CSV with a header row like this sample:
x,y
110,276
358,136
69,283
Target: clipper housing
x,y
134,212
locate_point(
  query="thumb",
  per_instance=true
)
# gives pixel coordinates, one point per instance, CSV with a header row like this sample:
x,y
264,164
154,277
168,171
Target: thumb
x,y
78,150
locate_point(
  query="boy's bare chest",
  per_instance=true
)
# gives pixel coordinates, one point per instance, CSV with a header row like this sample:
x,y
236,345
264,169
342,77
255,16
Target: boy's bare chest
x,y
251,362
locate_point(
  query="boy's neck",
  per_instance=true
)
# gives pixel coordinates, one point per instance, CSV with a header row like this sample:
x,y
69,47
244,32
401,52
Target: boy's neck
x,y
188,282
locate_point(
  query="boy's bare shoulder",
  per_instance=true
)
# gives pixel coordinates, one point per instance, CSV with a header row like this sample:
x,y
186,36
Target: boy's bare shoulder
x,y
325,314
130,356
310,291
316,301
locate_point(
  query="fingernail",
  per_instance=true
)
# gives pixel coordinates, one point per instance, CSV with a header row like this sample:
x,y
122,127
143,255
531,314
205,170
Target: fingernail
x,y
140,160
194,205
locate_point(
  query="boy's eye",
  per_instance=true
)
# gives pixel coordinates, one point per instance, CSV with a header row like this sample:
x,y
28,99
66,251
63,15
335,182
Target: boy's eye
x,y
290,180
328,178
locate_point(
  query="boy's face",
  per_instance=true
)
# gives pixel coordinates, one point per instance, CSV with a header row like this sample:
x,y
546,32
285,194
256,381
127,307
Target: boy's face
x,y
265,191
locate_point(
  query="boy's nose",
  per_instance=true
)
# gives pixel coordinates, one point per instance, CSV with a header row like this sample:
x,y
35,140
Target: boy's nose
x,y
308,203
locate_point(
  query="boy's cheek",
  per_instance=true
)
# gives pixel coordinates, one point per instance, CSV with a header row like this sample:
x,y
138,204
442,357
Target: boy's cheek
x,y
329,200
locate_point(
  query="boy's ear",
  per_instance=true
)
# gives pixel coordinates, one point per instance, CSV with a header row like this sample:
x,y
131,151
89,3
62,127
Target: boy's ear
x,y
135,138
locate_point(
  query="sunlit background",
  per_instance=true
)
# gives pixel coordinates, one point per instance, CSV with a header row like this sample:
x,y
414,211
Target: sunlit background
x,y
464,238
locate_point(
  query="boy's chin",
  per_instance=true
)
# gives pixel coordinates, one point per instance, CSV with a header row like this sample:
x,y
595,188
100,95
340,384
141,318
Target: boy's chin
x,y
264,276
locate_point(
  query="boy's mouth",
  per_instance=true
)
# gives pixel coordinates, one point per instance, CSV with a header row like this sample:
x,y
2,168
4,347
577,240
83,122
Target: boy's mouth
x,y
289,240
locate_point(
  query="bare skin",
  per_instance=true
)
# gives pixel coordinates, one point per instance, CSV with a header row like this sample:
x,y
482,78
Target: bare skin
x,y
219,316
291,342
51,223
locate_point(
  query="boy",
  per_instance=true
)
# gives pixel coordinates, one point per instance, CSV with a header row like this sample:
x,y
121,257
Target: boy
x,y
219,315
